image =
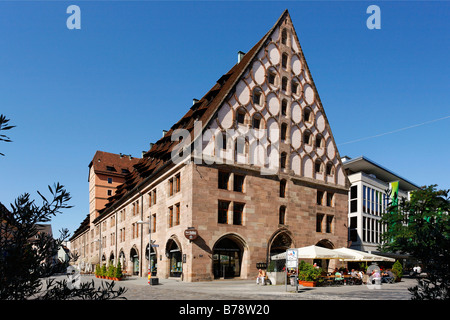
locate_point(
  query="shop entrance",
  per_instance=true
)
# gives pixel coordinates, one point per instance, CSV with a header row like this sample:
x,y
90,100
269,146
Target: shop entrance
x,y
153,261
174,255
134,258
227,259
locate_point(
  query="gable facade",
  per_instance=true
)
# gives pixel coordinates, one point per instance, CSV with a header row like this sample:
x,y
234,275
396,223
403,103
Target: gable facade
x,y
265,175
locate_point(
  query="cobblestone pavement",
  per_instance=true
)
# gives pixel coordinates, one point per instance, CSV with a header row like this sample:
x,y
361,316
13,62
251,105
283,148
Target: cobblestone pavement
x,y
170,289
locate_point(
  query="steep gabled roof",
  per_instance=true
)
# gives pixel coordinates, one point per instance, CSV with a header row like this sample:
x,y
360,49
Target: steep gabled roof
x,y
203,110
112,164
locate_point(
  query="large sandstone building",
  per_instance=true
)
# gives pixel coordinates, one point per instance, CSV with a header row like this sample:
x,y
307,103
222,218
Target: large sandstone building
x,y
251,169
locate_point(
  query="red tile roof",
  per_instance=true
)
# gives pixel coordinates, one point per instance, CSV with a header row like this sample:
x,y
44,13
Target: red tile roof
x,y
112,164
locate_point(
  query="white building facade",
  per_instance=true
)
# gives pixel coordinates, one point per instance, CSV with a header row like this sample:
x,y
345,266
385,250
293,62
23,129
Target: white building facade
x,y
368,199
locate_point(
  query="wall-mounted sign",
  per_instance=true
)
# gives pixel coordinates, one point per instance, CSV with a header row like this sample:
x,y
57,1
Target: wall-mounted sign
x,y
191,234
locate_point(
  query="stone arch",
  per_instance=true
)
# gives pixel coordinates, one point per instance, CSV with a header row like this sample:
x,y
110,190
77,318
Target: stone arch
x,y
133,263
174,253
327,265
279,242
229,256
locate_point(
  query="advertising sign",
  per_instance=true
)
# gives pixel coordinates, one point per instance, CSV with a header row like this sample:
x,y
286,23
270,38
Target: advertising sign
x,y
291,255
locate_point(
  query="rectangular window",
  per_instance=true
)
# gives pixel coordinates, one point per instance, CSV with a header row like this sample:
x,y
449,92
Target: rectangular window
x,y
109,180
223,211
224,177
373,201
353,233
319,220
282,188
109,192
170,217
154,222
256,122
364,199
241,117
329,224
177,214
330,197
364,228
239,183
177,183
354,199
282,215
319,197
271,77
238,211
171,187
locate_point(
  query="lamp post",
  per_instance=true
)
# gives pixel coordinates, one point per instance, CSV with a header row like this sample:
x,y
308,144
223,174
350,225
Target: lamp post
x,y
150,282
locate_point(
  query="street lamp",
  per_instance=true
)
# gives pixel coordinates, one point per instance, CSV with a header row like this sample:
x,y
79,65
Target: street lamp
x,y
150,282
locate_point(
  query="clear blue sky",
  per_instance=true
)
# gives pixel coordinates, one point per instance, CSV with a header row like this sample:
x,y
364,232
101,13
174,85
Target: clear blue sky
x,y
134,68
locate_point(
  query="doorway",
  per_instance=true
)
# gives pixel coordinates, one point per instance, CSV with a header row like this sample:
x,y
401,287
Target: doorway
x,y
227,259
173,253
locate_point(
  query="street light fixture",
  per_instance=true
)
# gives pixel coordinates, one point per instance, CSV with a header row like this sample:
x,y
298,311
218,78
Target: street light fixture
x,y
151,281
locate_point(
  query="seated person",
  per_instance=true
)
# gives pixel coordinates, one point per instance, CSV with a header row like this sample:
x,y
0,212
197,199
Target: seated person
x,y
261,276
338,276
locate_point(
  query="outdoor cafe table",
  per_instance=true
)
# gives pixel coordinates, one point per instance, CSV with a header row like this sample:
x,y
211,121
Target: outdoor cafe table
x,y
330,279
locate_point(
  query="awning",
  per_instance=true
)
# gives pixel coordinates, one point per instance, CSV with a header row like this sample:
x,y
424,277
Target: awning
x,y
315,252
362,255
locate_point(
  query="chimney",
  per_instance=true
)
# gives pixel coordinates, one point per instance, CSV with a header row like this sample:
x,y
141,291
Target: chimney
x,y
143,153
151,145
164,133
240,56
194,101
121,155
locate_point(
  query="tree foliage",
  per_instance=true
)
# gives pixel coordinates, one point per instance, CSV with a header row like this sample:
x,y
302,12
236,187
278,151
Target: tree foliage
x,y
4,127
420,227
27,256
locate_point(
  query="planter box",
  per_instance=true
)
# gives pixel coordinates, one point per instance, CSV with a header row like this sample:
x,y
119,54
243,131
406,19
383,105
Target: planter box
x,y
307,283
276,277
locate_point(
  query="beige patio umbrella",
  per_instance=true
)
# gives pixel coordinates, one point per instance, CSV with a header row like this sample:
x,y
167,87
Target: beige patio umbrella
x,y
361,255
315,252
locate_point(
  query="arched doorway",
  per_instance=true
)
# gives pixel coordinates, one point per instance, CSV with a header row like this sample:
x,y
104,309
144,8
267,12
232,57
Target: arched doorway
x,y
280,242
134,259
153,261
325,264
111,258
122,261
227,257
174,254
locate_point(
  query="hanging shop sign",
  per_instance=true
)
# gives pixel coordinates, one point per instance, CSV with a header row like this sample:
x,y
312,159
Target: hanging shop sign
x,y
191,234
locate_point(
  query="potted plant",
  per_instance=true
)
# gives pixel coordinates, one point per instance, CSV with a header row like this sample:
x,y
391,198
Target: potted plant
x,y
118,274
103,272
308,275
97,271
397,269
